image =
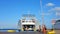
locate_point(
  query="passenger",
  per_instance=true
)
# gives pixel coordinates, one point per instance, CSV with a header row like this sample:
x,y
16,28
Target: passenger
x,y
39,28
44,29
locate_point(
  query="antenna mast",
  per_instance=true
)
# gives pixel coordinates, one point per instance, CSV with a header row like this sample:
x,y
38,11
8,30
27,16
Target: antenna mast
x,y
42,12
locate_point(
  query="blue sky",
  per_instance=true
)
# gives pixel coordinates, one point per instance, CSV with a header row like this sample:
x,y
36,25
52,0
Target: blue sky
x,y
12,10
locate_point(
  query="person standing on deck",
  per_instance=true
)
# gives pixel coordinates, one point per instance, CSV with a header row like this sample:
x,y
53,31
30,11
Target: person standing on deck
x,y
44,29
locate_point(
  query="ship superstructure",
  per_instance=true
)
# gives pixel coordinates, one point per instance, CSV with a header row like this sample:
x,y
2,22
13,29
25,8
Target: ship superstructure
x,y
28,22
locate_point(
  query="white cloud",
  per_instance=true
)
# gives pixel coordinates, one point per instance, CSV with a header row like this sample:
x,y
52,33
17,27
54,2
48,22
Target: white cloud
x,y
55,9
58,13
50,4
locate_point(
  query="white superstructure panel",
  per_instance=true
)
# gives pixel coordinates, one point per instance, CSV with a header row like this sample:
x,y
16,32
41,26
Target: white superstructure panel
x,y
28,23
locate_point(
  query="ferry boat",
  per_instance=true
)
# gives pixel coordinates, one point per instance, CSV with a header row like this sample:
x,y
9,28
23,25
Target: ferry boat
x,y
28,22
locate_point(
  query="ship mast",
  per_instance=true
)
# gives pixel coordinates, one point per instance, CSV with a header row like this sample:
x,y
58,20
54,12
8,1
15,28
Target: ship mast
x,y
42,12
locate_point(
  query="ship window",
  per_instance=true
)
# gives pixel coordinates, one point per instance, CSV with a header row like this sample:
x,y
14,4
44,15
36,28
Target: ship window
x,y
23,21
33,21
29,21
